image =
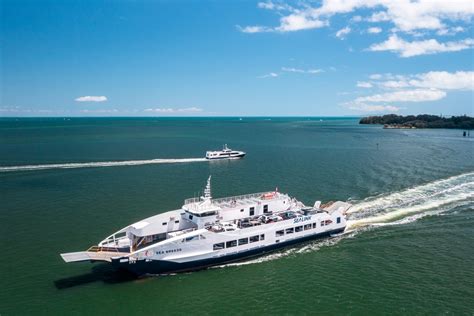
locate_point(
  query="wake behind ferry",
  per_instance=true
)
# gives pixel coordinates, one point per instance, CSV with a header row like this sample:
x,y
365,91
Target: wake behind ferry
x,y
206,232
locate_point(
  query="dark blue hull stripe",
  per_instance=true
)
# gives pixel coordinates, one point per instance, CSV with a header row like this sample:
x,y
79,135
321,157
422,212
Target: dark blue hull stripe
x,y
226,157
162,267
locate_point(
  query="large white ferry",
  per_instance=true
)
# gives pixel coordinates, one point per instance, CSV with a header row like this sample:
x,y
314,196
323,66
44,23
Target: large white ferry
x,y
206,232
225,153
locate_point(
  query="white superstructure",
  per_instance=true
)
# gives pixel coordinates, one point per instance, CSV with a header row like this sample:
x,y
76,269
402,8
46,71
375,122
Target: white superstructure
x,y
225,153
207,231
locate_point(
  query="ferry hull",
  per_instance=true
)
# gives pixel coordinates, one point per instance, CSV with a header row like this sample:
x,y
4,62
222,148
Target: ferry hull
x,y
143,267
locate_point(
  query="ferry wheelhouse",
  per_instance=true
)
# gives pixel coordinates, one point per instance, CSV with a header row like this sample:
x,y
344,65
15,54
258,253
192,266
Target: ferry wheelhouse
x,y
206,232
225,153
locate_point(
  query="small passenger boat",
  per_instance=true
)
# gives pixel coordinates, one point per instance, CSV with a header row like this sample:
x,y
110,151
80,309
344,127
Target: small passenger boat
x,y
225,153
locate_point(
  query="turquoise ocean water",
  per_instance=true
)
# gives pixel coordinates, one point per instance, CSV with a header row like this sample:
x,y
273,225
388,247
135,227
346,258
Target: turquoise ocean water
x,y
409,249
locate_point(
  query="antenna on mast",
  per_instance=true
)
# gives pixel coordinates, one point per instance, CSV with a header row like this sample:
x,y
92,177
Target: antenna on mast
x,y
207,190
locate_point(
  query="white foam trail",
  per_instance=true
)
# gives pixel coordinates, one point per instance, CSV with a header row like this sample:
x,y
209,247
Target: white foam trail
x,y
98,164
431,198
412,194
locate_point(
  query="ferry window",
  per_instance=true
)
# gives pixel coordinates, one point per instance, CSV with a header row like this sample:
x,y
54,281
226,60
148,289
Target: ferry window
x,y
176,222
190,216
290,230
164,223
159,236
218,246
322,223
241,210
254,238
192,238
307,226
208,214
314,225
243,241
252,211
262,237
265,208
298,229
231,243
279,233
338,220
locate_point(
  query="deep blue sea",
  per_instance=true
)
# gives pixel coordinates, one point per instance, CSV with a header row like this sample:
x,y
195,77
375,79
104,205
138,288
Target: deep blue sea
x,y
67,183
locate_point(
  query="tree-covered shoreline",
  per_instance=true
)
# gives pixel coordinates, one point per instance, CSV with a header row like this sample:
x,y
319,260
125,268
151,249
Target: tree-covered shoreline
x,y
420,121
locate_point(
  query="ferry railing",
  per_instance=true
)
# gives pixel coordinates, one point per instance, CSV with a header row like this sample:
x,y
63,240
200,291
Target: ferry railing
x,y
239,197
104,249
192,200
228,199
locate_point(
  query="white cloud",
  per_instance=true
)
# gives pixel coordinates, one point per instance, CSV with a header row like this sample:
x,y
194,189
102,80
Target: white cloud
x,y
392,84
254,29
291,20
343,32
415,48
375,76
270,5
314,71
10,109
174,110
290,23
364,84
416,18
269,75
417,95
298,22
90,98
374,30
423,87
443,80
303,71
102,111
381,16
266,5
405,15
381,102
373,108
450,31
460,80
19,109
292,70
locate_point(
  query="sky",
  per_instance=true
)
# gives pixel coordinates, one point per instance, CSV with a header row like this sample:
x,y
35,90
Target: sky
x,y
236,58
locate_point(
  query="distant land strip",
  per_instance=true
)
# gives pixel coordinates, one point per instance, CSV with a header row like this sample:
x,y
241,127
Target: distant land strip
x,y
420,121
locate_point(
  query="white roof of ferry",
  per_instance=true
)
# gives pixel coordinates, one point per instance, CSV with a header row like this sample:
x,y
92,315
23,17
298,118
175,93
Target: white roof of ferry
x,y
150,225
197,205
140,225
201,206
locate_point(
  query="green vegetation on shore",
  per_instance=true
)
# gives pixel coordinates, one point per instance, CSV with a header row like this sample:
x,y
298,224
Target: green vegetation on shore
x,y
420,121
